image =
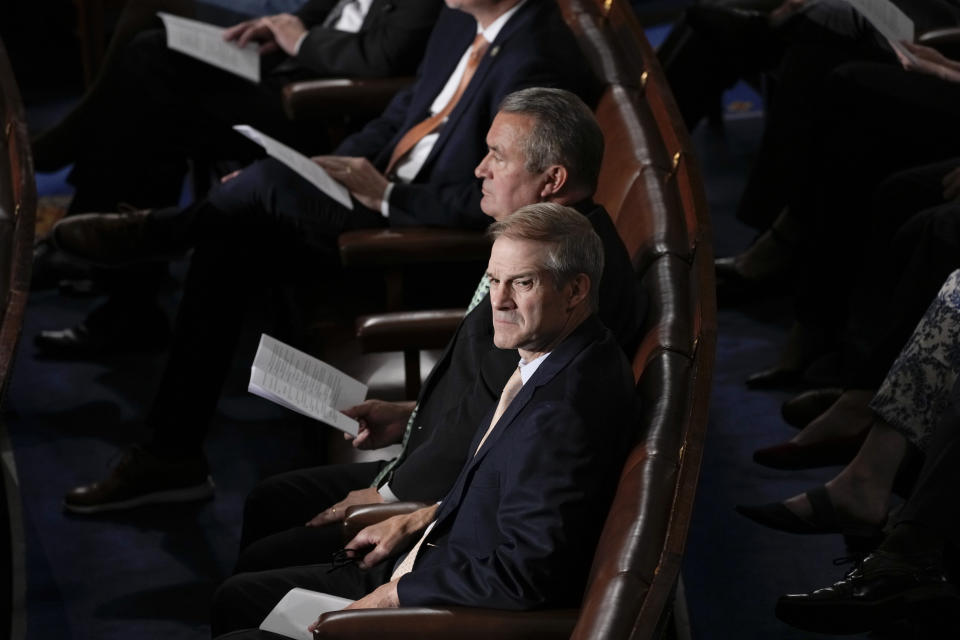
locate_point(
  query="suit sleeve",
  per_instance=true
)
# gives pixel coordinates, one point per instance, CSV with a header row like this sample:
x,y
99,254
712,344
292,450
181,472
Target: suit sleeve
x,y
549,514
392,44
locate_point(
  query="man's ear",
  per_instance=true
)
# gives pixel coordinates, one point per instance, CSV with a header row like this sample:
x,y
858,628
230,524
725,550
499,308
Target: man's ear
x,y
579,287
555,178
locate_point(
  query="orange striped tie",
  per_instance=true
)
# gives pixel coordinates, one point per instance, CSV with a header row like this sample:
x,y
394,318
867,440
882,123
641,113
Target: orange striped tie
x,y
426,127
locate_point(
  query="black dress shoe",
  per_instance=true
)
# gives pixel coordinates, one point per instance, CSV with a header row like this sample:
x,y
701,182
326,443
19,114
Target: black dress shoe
x,y
803,409
880,590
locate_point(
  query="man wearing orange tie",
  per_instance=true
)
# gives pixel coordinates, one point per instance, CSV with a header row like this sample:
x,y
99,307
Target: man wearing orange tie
x,y
266,226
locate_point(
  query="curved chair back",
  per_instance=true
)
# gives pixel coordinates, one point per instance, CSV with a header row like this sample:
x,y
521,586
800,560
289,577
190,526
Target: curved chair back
x,y
18,204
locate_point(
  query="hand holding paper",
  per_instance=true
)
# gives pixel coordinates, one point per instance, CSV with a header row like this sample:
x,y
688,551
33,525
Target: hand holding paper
x,y
365,183
927,60
300,163
282,30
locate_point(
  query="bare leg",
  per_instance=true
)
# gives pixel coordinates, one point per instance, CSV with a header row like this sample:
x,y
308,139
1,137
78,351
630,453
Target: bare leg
x,y
848,416
861,491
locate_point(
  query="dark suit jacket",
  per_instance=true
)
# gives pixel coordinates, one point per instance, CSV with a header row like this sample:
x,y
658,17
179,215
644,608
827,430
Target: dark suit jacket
x,y
470,374
534,48
519,527
390,42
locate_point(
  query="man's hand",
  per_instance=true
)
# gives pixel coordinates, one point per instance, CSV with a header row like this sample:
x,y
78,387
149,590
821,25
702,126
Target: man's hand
x,y
383,597
359,176
381,423
272,32
337,512
391,536
929,61
951,185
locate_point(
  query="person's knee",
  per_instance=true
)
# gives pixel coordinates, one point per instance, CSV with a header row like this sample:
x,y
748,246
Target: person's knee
x,y
231,604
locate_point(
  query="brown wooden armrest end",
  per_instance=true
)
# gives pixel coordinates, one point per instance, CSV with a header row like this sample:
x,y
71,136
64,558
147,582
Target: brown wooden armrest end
x,y
364,515
340,97
404,330
447,622
411,245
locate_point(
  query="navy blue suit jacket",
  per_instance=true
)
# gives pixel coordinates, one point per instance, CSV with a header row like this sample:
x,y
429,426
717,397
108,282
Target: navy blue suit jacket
x,y
534,48
471,372
519,527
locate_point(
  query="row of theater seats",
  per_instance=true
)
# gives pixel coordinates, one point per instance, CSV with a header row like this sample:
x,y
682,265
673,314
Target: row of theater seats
x,y
651,186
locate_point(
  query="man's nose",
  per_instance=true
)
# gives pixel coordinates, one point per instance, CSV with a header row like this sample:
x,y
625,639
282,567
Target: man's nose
x,y
481,170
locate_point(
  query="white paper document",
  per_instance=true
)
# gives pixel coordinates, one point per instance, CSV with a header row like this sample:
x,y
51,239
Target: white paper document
x,y
298,381
310,170
892,23
205,42
298,610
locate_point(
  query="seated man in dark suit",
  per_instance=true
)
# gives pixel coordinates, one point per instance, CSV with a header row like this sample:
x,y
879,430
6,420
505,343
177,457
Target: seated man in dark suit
x,y
544,145
396,177
518,528
158,107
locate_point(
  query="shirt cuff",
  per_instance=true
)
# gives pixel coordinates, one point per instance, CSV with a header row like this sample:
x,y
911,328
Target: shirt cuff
x,y
296,47
385,201
387,494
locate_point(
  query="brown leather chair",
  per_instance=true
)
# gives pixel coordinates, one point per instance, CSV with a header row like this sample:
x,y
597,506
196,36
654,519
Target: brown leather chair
x,y
18,199
18,205
652,188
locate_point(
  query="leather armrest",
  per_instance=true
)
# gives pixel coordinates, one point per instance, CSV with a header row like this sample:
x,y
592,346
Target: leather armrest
x,y
364,515
446,622
949,35
411,245
404,330
339,97
946,41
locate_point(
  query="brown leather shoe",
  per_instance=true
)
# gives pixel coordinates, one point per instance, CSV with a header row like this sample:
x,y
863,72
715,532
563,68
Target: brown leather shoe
x,y
110,239
141,478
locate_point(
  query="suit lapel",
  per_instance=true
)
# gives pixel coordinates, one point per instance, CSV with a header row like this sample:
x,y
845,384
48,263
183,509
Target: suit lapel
x,y
584,335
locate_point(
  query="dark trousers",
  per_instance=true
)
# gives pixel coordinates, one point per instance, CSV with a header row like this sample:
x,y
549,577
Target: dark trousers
x,y
266,227
877,119
243,601
276,510
157,108
914,246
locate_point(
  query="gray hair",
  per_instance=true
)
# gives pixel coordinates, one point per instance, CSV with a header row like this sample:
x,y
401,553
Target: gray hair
x,y
573,247
565,133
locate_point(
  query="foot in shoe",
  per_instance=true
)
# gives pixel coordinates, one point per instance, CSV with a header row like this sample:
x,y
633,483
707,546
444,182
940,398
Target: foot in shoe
x,y
110,239
811,513
879,590
142,478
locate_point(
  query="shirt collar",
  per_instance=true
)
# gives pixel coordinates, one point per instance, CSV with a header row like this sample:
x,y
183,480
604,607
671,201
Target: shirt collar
x,y
491,32
527,369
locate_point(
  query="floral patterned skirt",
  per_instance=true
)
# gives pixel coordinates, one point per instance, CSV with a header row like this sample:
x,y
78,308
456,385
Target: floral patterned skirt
x,y
917,387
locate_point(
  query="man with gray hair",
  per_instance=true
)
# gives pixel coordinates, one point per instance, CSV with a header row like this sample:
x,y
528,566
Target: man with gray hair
x,y
518,528
543,145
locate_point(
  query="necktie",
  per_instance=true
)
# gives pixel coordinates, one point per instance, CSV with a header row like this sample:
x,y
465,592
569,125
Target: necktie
x,y
510,391
478,296
406,565
426,127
